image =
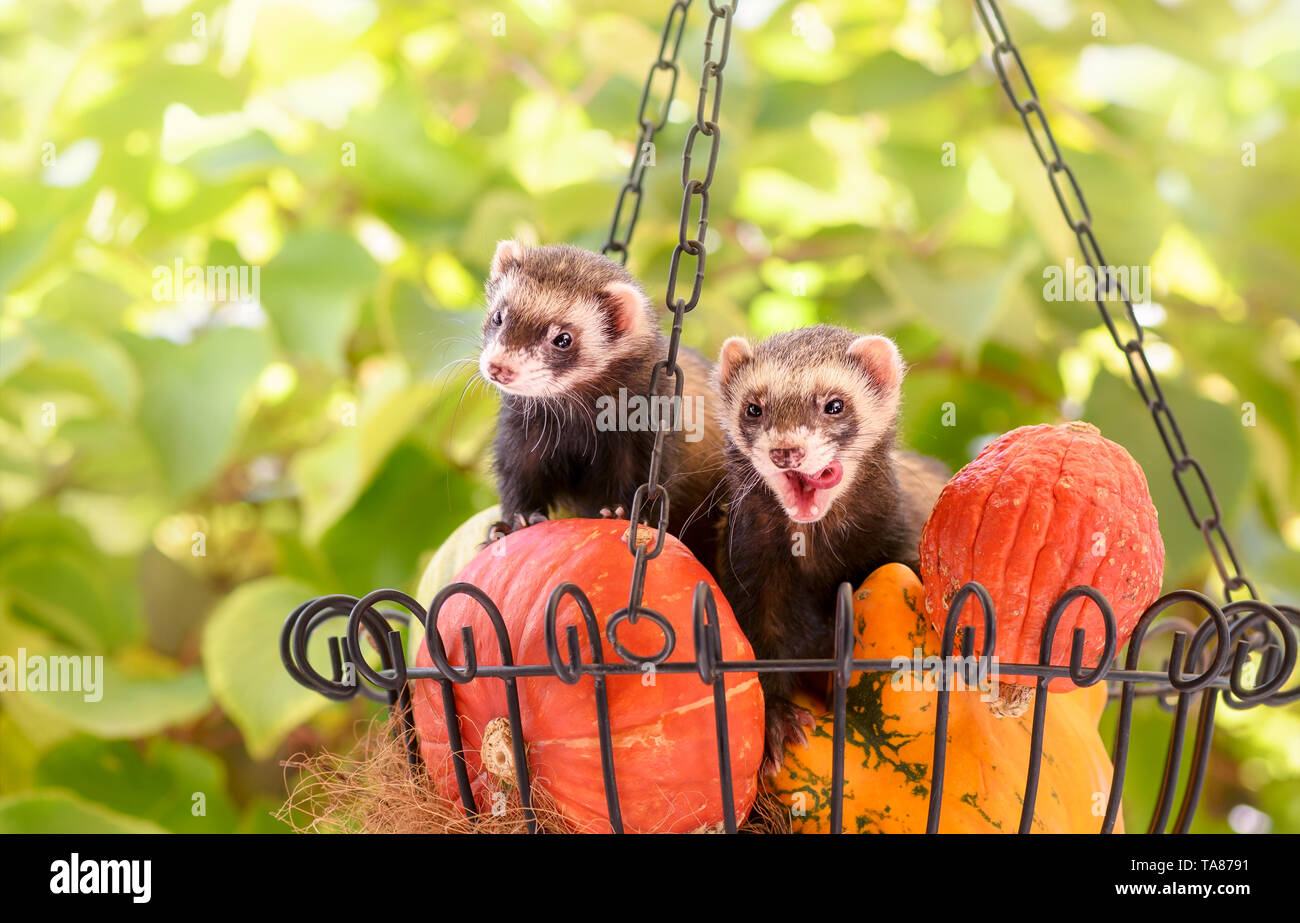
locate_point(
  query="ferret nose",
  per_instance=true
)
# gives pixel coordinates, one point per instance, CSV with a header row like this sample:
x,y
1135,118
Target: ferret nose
x,y
786,458
500,373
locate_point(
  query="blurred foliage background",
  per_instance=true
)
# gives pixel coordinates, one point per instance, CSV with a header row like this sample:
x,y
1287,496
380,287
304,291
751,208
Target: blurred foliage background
x,y
176,475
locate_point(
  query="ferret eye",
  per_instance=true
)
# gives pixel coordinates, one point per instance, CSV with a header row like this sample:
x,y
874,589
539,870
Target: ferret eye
x,y
754,410
835,406
563,341
496,319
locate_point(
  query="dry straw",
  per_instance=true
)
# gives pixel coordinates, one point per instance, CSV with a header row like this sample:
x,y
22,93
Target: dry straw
x,y
371,789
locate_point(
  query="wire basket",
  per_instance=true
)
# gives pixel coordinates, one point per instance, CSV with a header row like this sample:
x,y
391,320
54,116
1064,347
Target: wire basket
x,y
1243,652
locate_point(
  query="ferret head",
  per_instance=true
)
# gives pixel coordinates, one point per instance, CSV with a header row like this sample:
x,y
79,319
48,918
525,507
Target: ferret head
x,y
808,408
558,319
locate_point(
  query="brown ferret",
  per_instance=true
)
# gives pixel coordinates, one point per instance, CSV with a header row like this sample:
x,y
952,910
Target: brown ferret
x,y
570,340
817,493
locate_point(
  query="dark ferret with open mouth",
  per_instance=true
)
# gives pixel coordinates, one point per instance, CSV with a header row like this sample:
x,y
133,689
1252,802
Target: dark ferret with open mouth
x,y
571,340
817,493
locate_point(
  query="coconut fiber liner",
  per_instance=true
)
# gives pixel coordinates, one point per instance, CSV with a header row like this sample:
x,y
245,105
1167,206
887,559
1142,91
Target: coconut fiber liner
x,y
372,789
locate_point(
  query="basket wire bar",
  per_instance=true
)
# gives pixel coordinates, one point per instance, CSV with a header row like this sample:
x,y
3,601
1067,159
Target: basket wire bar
x,y
1245,651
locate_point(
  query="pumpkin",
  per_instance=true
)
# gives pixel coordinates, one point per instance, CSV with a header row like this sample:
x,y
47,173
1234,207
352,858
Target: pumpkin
x,y
1043,509
889,737
664,740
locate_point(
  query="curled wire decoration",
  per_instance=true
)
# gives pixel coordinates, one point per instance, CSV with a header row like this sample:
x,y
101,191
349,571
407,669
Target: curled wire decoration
x,y
1226,644
571,674
364,609
708,657
1078,676
1273,671
450,676
971,590
1285,697
1214,627
346,663
845,622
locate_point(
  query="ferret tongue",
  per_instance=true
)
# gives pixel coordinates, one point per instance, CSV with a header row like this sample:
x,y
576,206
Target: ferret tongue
x,y
806,487
827,478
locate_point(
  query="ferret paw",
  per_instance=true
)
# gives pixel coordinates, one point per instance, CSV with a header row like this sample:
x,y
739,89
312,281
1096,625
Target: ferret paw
x,y
617,512
786,724
500,529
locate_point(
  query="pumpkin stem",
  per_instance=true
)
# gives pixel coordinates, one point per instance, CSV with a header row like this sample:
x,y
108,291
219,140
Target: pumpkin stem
x,y
1013,700
1080,426
644,535
497,750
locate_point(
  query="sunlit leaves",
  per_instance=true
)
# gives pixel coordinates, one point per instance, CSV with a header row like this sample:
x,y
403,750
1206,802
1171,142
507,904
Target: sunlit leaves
x,y
311,291
54,811
193,398
241,658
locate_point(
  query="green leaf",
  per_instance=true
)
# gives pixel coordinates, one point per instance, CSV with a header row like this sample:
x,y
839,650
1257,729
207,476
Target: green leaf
x,y
335,473
192,405
452,555
56,578
398,166
259,817
110,455
311,291
85,299
135,697
241,657
157,782
409,480
430,338
19,349
93,363
825,84
53,811
964,296
67,593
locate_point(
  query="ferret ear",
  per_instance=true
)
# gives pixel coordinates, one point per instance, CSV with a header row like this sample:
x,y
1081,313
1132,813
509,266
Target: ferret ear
x,y
880,359
510,253
735,352
626,305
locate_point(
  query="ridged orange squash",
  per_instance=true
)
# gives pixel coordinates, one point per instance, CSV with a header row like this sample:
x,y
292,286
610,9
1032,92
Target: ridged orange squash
x,y
890,742
665,746
1043,509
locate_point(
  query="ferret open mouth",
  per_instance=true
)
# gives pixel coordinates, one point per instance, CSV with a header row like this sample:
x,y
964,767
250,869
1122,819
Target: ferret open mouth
x,y
805,494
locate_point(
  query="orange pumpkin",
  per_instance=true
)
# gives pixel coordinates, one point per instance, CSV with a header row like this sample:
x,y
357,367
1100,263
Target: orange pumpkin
x,y
1043,509
890,742
665,749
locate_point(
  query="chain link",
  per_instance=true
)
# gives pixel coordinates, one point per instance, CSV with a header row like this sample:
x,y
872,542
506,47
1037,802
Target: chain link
x,y
670,41
690,242
1079,219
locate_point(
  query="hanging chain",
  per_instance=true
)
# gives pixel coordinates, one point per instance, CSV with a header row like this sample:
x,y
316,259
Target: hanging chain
x,y
669,43
1008,64
706,125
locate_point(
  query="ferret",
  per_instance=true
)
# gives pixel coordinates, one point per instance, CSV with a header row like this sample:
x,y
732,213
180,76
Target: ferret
x,y
571,340
817,493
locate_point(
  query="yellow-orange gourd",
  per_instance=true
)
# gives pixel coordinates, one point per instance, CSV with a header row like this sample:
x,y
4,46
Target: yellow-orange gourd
x,y
890,742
